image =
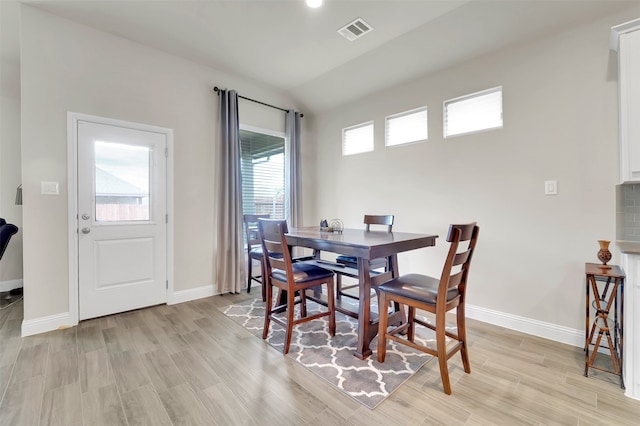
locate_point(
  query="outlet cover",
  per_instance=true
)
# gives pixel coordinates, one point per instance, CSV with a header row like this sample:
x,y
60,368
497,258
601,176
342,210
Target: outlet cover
x,y
49,188
550,187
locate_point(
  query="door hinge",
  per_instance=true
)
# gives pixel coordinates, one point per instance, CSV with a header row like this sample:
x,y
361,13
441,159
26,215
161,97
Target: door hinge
x,y
166,152
166,218
167,285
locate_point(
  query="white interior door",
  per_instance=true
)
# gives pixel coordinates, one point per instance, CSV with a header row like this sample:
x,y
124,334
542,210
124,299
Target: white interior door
x,y
122,235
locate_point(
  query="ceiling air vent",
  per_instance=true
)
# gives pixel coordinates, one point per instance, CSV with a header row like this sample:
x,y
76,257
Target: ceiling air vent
x,y
355,29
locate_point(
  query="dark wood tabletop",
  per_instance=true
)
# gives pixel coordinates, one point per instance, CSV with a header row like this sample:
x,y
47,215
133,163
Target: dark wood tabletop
x,y
364,245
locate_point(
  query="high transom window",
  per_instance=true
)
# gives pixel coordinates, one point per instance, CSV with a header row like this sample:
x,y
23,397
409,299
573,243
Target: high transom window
x,y
473,113
357,139
407,127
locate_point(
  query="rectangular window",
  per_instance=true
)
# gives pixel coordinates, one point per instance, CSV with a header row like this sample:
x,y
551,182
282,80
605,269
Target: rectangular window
x,y
473,113
406,127
262,164
357,139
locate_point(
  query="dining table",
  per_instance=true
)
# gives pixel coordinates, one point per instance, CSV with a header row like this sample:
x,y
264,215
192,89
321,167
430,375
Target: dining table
x,y
365,246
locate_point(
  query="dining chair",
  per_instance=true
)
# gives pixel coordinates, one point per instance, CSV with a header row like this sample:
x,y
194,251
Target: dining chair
x,y
292,278
254,250
352,262
7,230
437,296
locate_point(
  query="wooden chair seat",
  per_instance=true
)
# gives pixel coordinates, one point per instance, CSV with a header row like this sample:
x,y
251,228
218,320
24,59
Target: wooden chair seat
x,y
437,296
303,272
421,288
347,260
256,253
352,262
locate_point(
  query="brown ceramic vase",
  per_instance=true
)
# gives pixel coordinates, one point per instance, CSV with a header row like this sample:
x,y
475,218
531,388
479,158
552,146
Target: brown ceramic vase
x,y
604,255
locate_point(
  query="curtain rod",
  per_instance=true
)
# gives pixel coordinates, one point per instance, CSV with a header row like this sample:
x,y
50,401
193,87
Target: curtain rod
x,y
217,90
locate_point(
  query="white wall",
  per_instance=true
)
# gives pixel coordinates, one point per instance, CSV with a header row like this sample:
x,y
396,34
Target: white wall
x,y
560,123
71,67
11,263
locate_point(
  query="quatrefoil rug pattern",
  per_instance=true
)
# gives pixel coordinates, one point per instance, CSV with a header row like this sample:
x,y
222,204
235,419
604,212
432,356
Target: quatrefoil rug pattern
x,y
331,358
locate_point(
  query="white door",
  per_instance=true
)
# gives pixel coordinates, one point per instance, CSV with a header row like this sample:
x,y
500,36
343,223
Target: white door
x,y
122,235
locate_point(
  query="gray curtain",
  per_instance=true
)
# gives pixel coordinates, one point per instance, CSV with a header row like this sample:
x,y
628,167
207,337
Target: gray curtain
x,y
293,173
230,267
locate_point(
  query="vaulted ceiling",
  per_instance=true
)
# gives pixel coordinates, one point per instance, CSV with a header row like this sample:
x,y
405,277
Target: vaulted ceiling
x,y
287,45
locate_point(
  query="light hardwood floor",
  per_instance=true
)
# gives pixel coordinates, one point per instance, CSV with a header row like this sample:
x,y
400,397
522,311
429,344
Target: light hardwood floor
x,y
188,364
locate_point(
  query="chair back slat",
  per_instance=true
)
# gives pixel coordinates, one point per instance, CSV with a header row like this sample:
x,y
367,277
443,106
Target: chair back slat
x,y
461,258
276,257
463,239
370,219
455,279
251,228
274,245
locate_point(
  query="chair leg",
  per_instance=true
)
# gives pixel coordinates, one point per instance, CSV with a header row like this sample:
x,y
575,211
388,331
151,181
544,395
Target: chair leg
x,y
303,302
267,310
382,325
263,279
289,329
249,271
441,349
411,315
338,286
331,307
462,336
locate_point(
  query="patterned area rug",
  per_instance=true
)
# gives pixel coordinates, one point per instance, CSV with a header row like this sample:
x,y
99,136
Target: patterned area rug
x,y
367,381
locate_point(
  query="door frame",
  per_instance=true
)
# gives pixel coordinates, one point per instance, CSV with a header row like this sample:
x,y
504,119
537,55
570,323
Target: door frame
x,y
72,198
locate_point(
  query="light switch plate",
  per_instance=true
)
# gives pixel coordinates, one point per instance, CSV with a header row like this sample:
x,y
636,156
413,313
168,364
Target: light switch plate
x,y
550,187
49,188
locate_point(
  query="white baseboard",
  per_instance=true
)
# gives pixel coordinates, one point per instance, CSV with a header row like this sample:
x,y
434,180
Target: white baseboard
x,y
63,320
546,330
10,284
44,324
190,294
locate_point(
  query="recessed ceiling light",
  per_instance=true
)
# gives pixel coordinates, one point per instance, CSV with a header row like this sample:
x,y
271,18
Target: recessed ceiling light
x,y
314,3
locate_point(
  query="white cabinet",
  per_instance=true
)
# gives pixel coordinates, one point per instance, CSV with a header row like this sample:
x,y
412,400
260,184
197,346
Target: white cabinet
x,y
631,369
625,38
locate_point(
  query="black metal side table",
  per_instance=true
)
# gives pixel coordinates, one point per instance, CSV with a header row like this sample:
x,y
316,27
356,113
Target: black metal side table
x,y
605,293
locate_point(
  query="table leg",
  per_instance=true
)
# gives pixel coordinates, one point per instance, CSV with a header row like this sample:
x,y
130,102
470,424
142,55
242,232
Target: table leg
x,y
366,329
364,309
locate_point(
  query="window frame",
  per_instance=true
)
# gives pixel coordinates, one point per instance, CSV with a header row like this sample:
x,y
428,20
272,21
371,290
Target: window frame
x,y
354,127
496,89
405,114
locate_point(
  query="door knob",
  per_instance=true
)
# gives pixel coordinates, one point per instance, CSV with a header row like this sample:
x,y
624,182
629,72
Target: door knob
x,y
86,216
86,230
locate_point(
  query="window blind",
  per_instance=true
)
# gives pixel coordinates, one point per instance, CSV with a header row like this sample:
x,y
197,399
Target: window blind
x,y
407,127
357,139
474,112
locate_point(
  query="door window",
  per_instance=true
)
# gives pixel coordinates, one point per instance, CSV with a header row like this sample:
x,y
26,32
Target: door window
x,y
121,176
